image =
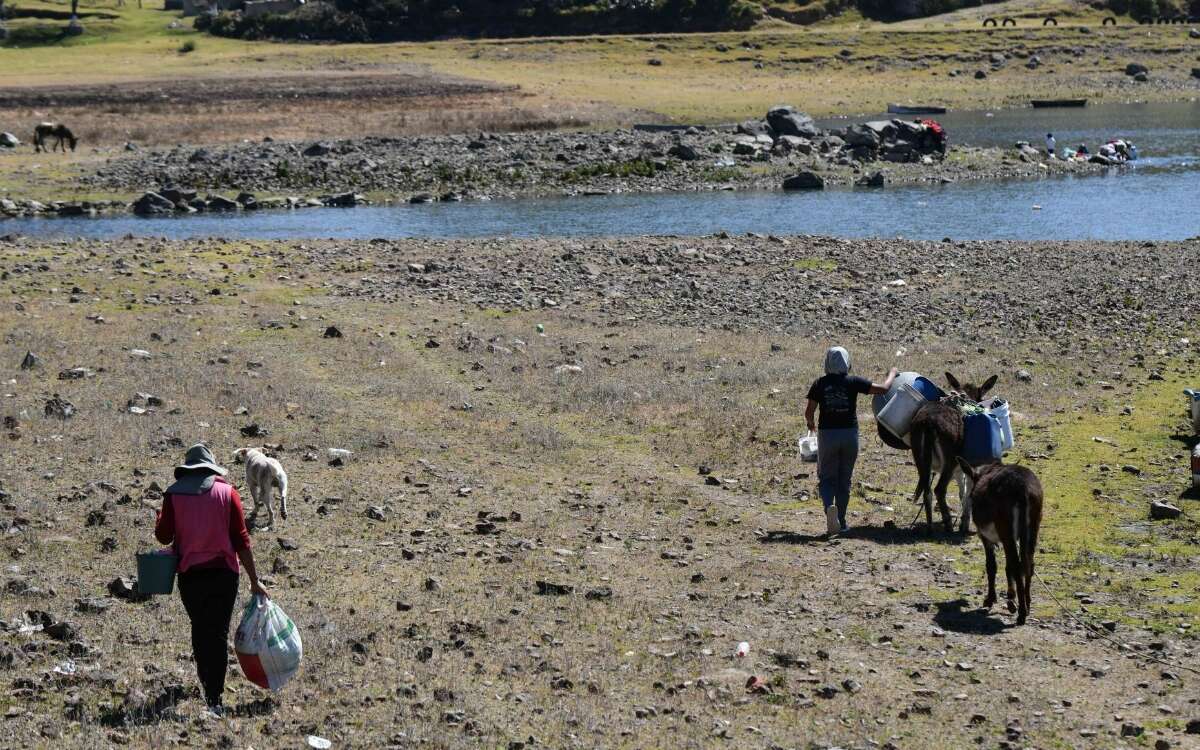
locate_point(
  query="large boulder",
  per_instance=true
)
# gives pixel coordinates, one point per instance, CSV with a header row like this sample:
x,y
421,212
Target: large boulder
x,y
908,131
221,203
786,120
862,135
8,140
753,127
344,200
885,129
1133,69
320,148
804,181
684,152
876,180
1025,152
900,151
152,203
795,143
178,196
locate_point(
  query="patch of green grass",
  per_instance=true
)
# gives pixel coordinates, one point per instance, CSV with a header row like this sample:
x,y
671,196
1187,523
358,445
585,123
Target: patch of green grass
x,y
1081,529
814,264
620,169
720,174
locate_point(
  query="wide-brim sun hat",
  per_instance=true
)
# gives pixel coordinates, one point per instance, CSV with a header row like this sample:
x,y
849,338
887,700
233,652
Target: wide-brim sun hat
x,y
199,457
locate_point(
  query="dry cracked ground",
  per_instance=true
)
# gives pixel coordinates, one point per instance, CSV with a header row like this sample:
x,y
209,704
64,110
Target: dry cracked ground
x,y
573,490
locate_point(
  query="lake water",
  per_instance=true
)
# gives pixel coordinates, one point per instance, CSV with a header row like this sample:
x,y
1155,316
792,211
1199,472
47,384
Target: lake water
x,y
1156,198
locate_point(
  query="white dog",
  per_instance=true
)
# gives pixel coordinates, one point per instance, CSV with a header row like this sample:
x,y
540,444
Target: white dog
x,y
263,475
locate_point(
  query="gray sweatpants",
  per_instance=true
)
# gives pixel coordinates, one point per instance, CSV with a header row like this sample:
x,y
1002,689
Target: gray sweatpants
x,y
837,450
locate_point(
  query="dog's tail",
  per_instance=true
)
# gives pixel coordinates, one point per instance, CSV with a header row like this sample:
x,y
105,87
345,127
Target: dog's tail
x,y
281,481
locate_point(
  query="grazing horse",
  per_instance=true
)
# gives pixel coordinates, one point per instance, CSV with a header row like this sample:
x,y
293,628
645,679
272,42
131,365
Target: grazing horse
x,y
61,133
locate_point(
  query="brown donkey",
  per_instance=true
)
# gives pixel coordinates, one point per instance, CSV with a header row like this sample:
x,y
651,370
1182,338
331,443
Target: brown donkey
x,y
1008,512
936,436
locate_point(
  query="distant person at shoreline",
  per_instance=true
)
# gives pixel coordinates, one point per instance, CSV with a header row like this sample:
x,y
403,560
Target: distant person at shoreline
x,y
835,395
1051,145
202,519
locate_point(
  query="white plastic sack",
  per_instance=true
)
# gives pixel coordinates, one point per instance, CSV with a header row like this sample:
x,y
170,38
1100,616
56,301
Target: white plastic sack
x,y
267,644
808,447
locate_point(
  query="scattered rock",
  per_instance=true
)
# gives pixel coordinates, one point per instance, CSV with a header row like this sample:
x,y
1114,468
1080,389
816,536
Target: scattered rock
x,y
787,120
1161,510
125,589
152,203
333,332
684,152
804,181
545,588
874,180
59,408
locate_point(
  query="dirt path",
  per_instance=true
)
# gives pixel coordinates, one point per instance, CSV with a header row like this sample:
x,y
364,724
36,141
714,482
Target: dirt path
x,y
482,467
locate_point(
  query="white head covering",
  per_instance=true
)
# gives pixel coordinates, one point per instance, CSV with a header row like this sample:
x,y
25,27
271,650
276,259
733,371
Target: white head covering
x,y
837,361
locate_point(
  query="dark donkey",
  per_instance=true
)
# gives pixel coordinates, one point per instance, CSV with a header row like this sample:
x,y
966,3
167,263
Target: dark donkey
x,y
936,436
1008,512
56,130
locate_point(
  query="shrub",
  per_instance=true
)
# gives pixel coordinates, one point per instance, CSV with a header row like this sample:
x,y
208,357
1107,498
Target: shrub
x,y
390,20
188,46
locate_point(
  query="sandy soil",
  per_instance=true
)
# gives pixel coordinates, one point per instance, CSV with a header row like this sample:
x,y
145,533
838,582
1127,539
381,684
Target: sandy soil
x,y
482,466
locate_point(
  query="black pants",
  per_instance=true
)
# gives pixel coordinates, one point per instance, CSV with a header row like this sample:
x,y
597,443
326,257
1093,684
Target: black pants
x,y
208,595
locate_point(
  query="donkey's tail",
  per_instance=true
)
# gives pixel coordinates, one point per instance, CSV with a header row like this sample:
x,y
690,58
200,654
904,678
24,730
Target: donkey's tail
x,y
922,448
1028,536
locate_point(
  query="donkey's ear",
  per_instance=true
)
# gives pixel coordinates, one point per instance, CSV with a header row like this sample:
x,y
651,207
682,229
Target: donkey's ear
x,y
967,468
953,381
987,384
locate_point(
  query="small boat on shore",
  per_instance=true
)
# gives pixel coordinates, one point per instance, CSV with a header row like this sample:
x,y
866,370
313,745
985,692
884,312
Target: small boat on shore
x,y
905,109
1048,103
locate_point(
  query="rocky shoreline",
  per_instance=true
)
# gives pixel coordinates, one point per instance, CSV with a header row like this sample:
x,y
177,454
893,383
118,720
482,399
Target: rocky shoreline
x,y
785,149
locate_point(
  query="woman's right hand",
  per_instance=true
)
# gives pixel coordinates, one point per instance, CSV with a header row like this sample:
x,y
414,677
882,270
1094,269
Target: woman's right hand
x,y
256,588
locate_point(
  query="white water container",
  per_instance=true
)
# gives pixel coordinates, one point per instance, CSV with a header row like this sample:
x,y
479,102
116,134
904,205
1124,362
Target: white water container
x,y
1196,467
808,448
1194,406
999,409
897,415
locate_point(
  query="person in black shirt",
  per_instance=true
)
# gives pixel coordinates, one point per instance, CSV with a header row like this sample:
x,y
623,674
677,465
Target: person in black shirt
x,y
835,396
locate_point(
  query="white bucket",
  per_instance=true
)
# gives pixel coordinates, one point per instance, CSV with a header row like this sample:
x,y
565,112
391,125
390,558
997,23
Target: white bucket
x,y
897,415
1194,405
808,448
1196,467
999,409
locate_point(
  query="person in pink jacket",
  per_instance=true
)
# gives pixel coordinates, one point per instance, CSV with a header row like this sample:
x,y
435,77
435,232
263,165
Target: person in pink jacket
x,y
202,519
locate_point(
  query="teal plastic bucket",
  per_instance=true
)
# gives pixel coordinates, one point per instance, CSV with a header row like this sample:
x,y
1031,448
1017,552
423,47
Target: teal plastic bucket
x,y
156,572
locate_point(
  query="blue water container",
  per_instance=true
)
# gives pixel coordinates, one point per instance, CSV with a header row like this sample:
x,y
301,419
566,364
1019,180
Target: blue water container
x,y
983,438
928,388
